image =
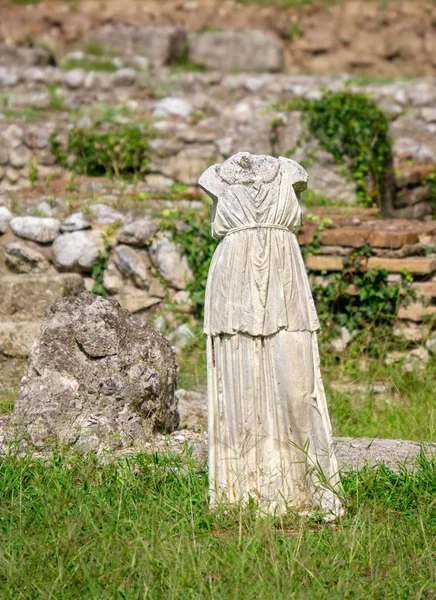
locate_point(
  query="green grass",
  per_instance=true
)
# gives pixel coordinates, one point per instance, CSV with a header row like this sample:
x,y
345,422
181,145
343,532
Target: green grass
x,y
72,528
90,65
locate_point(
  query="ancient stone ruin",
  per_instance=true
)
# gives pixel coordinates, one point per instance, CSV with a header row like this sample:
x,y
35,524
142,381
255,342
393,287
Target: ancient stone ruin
x,y
97,378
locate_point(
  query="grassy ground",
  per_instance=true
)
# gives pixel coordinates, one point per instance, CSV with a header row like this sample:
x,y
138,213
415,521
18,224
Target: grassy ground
x,y
141,528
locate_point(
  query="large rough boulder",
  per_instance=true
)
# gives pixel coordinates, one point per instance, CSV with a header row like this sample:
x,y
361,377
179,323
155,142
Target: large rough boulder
x,y
161,45
97,378
236,50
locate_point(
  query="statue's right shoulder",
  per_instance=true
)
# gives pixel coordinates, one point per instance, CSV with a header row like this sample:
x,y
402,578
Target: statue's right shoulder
x,y
211,182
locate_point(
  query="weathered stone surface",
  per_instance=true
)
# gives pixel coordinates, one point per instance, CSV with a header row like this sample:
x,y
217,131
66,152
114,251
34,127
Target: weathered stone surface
x,y
352,237
318,262
425,289
136,300
16,338
169,262
416,266
24,57
38,229
5,218
416,312
75,222
19,156
97,378
383,238
138,232
21,258
26,297
161,45
106,215
133,263
125,77
430,344
355,453
340,344
172,107
77,251
181,336
236,50
185,166
192,410
75,78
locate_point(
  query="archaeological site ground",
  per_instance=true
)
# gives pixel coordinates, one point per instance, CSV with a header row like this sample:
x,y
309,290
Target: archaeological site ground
x,y
109,113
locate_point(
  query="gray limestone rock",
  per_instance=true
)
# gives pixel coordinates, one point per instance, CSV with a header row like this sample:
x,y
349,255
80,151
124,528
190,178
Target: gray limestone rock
x,y
27,297
125,77
168,260
133,263
21,258
75,222
97,379
236,50
139,232
192,409
38,229
75,78
106,215
172,107
19,156
5,218
161,45
77,251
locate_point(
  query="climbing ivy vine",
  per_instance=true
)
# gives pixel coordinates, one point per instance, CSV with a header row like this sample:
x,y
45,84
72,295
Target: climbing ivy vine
x,y
356,132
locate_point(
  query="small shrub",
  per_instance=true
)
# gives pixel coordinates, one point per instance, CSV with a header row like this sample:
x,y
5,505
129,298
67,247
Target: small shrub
x,y
121,151
375,302
356,132
192,232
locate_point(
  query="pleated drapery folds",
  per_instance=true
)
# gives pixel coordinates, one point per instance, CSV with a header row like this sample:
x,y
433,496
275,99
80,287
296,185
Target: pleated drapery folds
x,y
270,436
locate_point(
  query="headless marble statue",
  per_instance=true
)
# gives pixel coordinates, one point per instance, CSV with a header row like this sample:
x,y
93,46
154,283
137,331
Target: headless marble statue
x,y
269,430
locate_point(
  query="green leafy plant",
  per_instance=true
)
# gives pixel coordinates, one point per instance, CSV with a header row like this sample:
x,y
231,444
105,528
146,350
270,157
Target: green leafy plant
x,y
360,299
121,151
192,232
99,268
356,132
33,171
56,101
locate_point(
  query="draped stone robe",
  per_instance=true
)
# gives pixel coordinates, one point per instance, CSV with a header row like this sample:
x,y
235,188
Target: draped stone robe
x,y
269,429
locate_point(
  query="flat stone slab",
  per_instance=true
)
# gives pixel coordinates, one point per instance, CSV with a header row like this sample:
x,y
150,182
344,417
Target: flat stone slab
x,y
355,453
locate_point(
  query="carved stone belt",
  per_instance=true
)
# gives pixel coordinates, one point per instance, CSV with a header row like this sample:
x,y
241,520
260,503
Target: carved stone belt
x,y
259,226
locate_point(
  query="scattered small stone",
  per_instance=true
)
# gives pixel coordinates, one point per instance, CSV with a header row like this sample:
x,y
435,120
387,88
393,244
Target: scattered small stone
x,y
19,156
192,410
430,344
428,115
181,337
5,218
134,299
45,208
24,259
172,107
125,77
340,344
106,215
75,78
133,263
75,222
139,232
38,229
77,251
168,260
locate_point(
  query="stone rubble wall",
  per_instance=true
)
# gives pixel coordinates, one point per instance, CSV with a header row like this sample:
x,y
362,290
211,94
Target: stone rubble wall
x,y
43,259
199,118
